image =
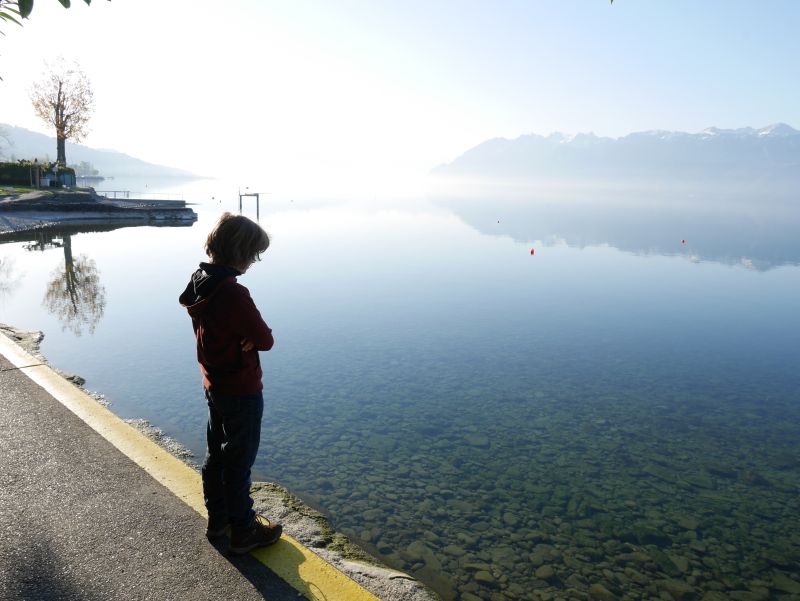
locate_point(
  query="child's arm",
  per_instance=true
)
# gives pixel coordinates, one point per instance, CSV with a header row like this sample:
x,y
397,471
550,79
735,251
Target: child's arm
x,y
248,324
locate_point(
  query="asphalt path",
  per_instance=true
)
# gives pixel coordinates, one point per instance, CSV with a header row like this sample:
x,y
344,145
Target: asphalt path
x,y
79,520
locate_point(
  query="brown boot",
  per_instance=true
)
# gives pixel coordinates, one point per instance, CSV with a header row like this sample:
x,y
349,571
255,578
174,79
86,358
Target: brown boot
x,y
261,533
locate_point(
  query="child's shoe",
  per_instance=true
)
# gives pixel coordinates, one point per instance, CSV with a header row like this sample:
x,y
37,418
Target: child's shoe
x,y
261,533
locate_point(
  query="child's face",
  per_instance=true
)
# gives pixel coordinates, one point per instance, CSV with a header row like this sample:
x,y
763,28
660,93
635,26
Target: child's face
x,y
244,266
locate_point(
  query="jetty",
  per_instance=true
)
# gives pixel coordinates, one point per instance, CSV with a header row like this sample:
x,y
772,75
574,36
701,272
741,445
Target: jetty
x,y
42,209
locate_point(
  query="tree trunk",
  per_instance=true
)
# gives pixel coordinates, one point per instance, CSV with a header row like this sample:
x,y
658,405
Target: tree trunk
x,y
61,154
68,262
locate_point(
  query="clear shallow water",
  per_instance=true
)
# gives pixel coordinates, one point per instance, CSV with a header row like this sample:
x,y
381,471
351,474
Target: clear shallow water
x,y
495,422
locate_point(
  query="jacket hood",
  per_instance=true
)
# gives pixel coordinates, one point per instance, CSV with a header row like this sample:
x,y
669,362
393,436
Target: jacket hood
x,y
203,284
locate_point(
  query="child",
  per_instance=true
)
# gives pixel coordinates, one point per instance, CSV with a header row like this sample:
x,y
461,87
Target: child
x,y
230,332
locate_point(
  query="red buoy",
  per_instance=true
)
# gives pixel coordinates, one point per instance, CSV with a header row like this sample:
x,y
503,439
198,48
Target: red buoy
x,y
683,241
533,250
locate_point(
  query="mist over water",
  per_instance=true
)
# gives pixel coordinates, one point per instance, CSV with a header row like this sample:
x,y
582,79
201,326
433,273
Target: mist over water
x,y
617,409
755,226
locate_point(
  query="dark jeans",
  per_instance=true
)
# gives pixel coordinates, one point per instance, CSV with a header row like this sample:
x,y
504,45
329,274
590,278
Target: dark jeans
x,y
233,435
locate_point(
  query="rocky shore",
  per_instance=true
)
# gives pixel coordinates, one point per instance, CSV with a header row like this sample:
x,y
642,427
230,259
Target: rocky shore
x,y
300,521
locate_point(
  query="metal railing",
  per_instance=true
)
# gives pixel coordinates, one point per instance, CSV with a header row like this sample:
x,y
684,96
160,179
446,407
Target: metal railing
x,y
127,194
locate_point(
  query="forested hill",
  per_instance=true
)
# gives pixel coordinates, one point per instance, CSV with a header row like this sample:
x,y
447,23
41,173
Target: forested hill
x,y
19,143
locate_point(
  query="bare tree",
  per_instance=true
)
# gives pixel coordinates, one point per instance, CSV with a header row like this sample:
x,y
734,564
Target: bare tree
x,y
64,99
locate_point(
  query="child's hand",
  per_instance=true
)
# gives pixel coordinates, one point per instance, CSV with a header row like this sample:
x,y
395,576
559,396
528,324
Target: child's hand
x,y
247,345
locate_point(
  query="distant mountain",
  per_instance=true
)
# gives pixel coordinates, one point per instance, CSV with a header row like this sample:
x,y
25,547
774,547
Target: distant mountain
x,y
25,144
762,154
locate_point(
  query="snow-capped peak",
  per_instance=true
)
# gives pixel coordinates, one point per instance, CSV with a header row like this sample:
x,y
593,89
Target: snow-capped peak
x,y
777,130
579,138
739,133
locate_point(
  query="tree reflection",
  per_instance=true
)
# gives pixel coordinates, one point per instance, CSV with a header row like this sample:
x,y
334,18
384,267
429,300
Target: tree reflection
x,y
8,280
74,294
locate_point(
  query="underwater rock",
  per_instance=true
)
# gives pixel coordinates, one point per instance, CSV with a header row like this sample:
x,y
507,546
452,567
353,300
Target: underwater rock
x,y
665,563
760,595
783,583
754,478
714,596
636,576
575,581
485,578
687,522
783,558
699,480
545,572
722,470
477,440
645,534
677,588
680,562
454,550
600,593
418,551
439,582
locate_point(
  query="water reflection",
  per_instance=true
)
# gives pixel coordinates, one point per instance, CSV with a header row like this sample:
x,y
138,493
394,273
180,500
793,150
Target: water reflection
x,y
754,232
9,280
74,294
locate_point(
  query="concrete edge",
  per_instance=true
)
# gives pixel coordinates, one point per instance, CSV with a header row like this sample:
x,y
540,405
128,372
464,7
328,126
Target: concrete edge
x,y
304,570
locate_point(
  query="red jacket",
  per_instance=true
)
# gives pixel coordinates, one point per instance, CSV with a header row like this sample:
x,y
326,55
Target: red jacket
x,y
223,314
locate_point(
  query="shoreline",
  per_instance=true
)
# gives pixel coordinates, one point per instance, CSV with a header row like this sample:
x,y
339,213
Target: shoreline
x,y
40,210
307,525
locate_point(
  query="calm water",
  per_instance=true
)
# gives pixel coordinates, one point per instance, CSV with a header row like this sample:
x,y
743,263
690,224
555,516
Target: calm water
x,y
619,409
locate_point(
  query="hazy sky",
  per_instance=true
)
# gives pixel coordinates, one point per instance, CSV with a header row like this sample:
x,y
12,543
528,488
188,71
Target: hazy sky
x,y
367,90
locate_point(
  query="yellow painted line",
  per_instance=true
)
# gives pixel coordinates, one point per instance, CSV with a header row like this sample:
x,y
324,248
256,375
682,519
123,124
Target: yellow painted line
x,y
305,571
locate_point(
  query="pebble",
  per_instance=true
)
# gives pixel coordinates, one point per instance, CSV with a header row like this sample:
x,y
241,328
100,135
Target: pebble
x,y
600,593
545,573
484,577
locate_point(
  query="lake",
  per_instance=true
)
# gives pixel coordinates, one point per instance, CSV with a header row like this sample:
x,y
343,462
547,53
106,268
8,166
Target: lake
x,y
507,395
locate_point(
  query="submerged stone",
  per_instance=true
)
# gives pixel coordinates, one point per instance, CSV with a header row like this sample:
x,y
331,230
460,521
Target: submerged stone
x,y
665,563
545,573
485,578
756,594
680,562
600,593
688,522
714,596
643,533
677,588
783,583
454,550
722,470
477,440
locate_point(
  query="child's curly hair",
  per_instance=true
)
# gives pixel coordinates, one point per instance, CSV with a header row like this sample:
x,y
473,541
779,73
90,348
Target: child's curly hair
x,y
236,241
